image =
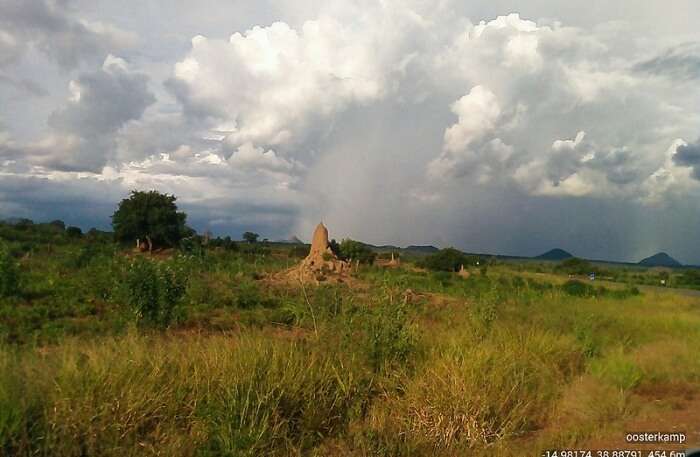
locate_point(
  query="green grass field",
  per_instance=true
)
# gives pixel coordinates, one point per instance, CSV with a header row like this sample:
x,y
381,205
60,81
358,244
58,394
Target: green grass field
x,y
395,362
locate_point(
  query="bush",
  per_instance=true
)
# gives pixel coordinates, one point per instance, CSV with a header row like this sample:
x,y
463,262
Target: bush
x,y
154,291
74,232
226,243
83,257
388,334
9,273
355,250
577,288
449,259
249,296
192,245
575,266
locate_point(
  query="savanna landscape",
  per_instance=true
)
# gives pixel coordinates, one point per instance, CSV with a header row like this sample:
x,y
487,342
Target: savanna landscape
x,y
208,346
370,228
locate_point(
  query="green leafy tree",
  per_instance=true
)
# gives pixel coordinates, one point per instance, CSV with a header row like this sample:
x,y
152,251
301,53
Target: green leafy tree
x,y
449,259
149,216
251,237
355,250
74,232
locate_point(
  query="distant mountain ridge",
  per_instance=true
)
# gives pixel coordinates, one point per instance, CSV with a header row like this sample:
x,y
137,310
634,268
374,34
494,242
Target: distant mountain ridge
x,y
660,260
426,249
413,249
555,254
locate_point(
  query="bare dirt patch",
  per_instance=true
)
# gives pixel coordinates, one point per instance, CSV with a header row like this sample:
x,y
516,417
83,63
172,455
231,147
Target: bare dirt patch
x,y
674,417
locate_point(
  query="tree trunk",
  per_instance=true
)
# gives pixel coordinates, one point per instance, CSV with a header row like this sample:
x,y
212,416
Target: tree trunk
x,y
150,244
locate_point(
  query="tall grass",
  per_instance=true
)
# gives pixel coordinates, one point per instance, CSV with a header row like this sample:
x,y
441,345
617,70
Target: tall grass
x,y
132,395
408,363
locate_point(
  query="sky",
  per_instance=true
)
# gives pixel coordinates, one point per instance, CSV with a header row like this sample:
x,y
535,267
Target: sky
x,y
495,126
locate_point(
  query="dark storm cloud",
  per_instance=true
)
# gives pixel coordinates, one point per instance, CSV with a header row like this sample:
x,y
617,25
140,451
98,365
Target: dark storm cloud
x,y
682,62
51,28
84,202
689,156
88,202
333,110
82,136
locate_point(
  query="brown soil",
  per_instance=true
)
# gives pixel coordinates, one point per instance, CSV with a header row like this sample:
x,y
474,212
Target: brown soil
x,y
679,411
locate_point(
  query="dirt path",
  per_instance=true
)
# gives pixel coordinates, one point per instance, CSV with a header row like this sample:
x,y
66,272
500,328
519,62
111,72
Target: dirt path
x,y
685,419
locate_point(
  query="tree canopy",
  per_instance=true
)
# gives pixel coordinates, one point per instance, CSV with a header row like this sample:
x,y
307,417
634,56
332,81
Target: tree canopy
x,y
355,250
149,216
449,259
251,237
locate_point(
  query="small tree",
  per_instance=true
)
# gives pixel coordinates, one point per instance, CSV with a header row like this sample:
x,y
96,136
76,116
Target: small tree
x,y
251,237
74,232
449,259
355,250
149,216
154,290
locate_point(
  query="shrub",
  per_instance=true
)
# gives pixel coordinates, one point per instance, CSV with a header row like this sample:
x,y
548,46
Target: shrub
x,y
226,243
250,237
449,259
192,245
575,266
390,337
84,256
618,369
249,296
74,232
577,288
154,291
355,250
485,310
9,273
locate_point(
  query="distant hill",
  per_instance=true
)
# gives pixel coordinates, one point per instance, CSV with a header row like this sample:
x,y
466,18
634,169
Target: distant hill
x,y
292,240
555,254
414,250
422,249
384,247
660,260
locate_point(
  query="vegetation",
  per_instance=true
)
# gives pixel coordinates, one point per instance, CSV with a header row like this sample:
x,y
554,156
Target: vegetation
x,y
151,217
576,266
153,290
104,351
355,251
449,259
9,275
250,237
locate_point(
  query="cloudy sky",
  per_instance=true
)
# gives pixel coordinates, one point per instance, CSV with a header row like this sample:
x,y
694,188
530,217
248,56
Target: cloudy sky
x,y
491,125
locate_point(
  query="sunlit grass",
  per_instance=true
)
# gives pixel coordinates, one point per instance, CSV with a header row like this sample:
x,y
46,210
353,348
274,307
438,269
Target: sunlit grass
x,y
411,363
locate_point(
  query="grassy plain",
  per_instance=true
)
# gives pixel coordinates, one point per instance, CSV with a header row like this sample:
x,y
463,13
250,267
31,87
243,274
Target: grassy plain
x,y
395,362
